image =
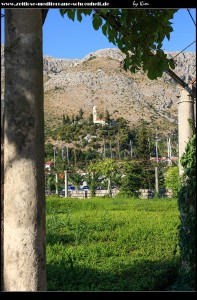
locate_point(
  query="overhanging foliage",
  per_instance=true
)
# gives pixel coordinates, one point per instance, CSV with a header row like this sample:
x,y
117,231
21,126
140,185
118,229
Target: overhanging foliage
x,y
138,33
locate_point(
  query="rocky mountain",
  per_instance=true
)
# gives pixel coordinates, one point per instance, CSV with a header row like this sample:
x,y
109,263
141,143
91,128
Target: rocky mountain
x,y
99,79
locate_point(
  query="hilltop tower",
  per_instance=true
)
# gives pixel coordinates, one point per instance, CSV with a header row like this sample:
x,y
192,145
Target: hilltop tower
x,y
95,119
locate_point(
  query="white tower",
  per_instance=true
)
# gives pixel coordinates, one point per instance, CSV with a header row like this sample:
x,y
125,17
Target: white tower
x,y
94,114
95,119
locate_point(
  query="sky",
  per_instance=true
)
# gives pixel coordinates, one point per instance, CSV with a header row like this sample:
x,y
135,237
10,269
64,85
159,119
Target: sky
x,y
63,38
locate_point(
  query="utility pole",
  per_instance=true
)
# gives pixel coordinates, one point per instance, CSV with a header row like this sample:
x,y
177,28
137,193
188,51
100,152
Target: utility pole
x,y
118,145
56,183
169,151
111,150
62,152
66,183
75,158
131,149
104,153
67,154
54,155
156,146
156,181
156,168
149,147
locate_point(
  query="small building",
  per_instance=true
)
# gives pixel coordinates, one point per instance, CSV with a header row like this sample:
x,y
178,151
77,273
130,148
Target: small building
x,y
49,165
164,159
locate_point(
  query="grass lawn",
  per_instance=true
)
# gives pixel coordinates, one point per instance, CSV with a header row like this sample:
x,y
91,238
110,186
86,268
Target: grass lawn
x,y
115,244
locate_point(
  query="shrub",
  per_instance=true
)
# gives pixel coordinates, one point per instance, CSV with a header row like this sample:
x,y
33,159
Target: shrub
x,y
187,207
138,175
172,180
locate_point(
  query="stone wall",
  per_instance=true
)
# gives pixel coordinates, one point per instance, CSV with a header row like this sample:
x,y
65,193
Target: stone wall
x,y
144,193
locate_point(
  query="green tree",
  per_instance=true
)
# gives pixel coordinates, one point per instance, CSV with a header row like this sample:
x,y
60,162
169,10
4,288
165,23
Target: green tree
x,y
101,115
137,176
172,180
77,118
76,179
49,152
92,177
90,119
143,151
107,116
81,113
67,120
63,120
128,29
108,168
73,119
187,207
50,182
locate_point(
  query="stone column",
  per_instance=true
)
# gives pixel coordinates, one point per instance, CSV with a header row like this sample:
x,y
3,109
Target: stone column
x,y
185,122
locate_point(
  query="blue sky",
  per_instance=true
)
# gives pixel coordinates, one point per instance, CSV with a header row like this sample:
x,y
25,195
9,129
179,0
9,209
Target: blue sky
x,y
63,38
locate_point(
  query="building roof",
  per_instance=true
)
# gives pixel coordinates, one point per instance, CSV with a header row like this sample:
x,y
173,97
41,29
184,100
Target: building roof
x,y
49,163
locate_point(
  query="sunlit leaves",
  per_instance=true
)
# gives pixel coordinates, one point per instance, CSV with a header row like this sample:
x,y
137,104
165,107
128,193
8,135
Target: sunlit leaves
x,y
106,167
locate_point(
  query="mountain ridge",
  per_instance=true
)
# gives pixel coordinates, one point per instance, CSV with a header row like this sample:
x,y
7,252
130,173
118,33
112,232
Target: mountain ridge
x,y
99,79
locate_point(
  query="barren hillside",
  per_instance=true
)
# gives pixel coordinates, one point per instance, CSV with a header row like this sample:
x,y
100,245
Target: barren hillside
x,y
99,79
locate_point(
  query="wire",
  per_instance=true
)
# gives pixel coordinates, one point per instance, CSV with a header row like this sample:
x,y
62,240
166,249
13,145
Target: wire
x,y
192,42
191,16
184,49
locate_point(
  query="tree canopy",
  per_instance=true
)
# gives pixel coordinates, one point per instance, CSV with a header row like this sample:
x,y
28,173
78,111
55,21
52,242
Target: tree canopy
x,y
138,33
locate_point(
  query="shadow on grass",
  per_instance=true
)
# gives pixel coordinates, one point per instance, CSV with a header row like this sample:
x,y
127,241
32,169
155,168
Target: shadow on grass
x,y
141,276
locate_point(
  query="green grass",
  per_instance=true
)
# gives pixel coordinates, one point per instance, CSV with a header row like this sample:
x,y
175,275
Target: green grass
x,y
117,244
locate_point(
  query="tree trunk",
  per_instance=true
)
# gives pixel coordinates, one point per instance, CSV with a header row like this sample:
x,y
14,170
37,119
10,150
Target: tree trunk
x,y
24,190
2,194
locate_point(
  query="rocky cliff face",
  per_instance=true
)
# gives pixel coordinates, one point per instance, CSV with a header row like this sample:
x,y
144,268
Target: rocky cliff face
x,y
99,79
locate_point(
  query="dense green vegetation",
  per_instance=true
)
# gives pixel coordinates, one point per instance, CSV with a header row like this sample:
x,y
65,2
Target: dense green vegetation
x,y
172,180
112,244
187,207
89,142
86,144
